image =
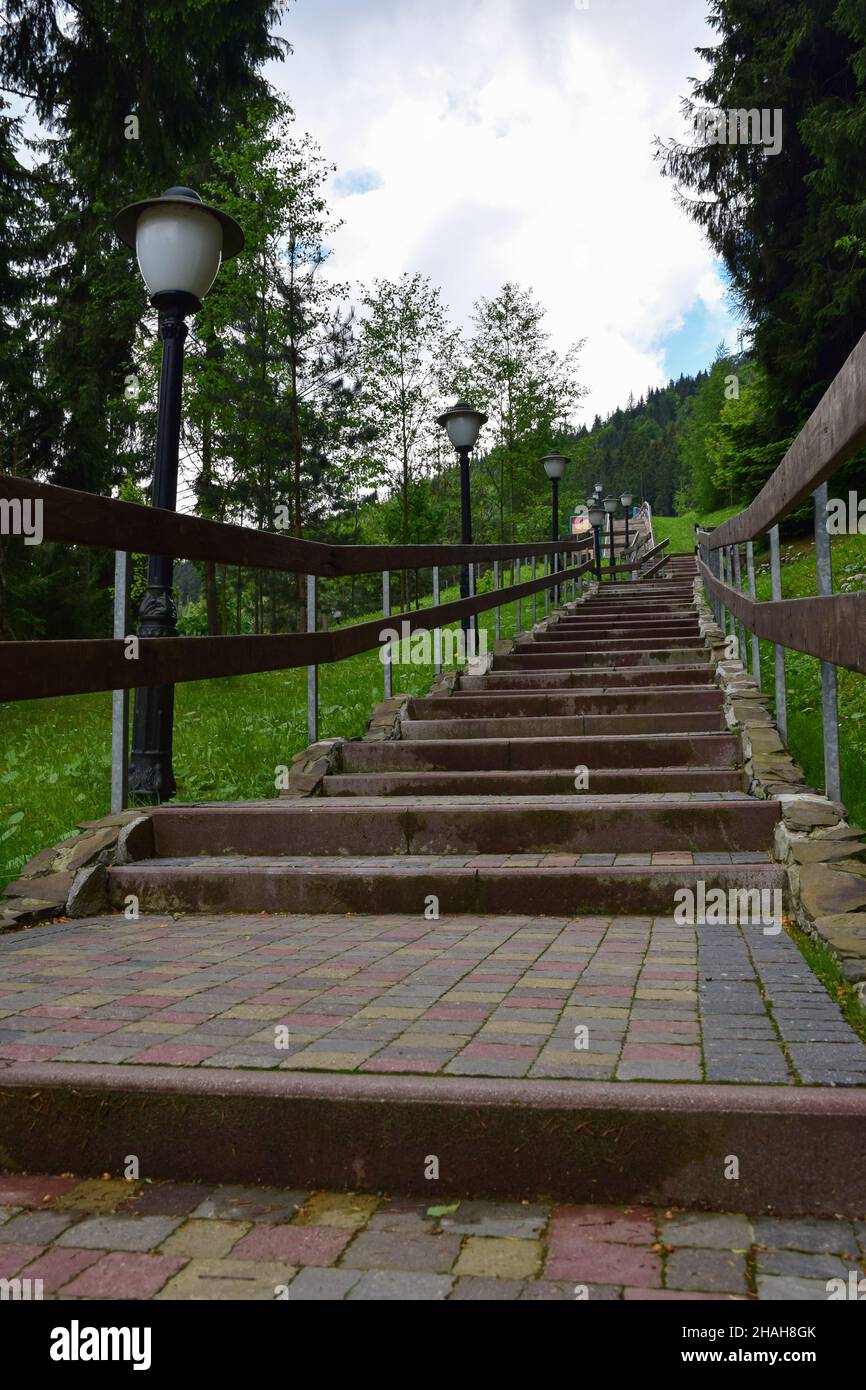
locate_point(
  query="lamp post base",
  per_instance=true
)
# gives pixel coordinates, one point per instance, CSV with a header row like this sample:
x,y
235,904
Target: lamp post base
x,y
151,777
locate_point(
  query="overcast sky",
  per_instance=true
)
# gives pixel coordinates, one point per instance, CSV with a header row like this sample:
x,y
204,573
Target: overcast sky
x,y
480,141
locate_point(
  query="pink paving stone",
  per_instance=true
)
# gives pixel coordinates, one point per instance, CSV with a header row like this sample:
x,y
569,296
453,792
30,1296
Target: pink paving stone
x,y
171,1055
50,1011
123,1274
23,1052
296,1245
14,1257
622,1225
18,1190
600,1262
56,1267
420,1064
661,1052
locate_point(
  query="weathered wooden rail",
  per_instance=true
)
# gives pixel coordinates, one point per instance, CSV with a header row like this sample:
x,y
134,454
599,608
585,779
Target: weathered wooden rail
x,y
829,626
40,669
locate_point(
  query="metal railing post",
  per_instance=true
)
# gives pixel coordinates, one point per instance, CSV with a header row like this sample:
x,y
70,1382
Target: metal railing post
x,y
756,641
437,631
778,649
546,575
738,622
312,671
386,613
534,596
518,615
472,630
497,620
120,698
829,695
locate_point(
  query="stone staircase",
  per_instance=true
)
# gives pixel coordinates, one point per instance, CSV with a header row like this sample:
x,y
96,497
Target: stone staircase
x,y
589,771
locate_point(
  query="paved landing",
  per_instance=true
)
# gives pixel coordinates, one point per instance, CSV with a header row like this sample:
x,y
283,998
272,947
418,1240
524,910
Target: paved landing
x,y
98,1239
594,998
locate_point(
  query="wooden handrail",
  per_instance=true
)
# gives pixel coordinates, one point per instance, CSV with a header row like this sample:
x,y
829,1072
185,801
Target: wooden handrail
x,y
831,627
35,670
835,430
85,518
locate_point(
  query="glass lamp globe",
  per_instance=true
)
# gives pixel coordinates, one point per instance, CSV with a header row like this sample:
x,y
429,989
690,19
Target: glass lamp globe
x,y
180,242
463,424
554,465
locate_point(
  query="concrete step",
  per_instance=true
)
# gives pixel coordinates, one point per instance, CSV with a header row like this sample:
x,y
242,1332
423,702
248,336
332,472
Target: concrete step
x,y
635,1143
263,884
539,754
610,646
674,699
539,726
390,825
538,782
531,656
622,677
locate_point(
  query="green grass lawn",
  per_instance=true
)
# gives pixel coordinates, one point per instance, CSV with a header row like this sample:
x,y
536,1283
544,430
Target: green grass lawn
x,y
680,530
230,736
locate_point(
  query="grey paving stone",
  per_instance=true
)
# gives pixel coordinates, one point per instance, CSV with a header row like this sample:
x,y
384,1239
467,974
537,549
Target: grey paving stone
x,y
383,1250
708,1271
264,1204
557,1291
776,1288
35,1227
131,1233
379,1285
312,1284
823,1237
806,1266
496,1219
473,1289
707,1231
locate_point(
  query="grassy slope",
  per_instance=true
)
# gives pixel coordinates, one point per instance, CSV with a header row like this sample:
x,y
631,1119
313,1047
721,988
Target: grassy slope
x,y
803,672
230,736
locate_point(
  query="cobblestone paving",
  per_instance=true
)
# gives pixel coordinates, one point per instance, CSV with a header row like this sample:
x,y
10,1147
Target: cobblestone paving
x,y
590,998
99,1239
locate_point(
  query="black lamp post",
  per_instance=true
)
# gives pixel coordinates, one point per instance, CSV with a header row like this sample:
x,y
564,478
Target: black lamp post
x,y
596,520
610,505
626,501
463,425
180,243
554,467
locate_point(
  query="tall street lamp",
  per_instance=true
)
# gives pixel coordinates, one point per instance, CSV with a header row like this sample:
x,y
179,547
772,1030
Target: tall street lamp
x,y
554,467
610,505
596,521
463,425
180,243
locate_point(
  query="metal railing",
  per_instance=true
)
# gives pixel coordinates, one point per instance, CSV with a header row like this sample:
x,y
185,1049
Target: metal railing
x,y
830,626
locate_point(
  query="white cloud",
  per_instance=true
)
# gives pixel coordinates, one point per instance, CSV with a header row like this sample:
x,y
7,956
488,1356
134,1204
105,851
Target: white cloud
x,y
512,139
